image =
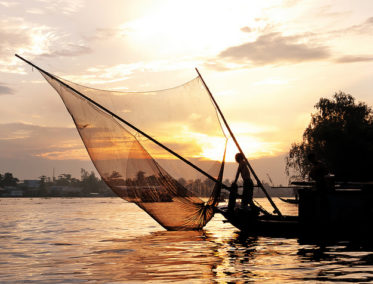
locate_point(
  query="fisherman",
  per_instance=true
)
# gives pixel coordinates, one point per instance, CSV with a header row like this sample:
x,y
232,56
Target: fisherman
x,y
318,173
248,185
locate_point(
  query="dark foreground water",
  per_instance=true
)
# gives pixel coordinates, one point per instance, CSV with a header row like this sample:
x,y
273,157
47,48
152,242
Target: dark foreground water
x,y
106,240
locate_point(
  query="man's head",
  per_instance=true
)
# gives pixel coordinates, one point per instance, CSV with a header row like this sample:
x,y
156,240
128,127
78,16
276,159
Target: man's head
x,y
239,157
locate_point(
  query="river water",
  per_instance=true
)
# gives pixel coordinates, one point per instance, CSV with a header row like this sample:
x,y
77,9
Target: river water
x,y
107,240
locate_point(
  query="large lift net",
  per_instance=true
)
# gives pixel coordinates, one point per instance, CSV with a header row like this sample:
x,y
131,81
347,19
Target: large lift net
x,y
183,119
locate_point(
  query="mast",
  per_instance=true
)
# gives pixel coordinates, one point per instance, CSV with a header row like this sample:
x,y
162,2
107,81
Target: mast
x,y
239,148
126,122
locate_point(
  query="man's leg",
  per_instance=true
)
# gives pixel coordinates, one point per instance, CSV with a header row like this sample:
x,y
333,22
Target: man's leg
x,y
245,194
232,198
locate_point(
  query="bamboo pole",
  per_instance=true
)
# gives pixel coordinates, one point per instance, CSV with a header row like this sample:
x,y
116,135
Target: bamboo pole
x,y
127,123
239,148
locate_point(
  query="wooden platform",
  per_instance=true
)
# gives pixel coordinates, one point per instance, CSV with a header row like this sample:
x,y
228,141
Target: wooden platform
x,y
339,214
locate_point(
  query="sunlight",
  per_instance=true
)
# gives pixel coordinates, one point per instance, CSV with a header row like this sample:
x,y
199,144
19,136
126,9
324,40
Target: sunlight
x,y
70,154
250,128
198,29
40,38
252,147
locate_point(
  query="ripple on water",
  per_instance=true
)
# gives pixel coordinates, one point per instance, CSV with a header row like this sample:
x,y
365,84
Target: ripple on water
x,y
106,240
114,251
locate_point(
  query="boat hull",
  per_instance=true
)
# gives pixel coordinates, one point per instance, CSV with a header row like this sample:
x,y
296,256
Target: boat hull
x,y
261,225
342,215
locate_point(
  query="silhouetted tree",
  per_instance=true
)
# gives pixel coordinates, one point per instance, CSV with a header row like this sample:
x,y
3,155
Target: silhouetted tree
x,y
116,178
341,135
8,180
89,182
63,179
151,180
42,186
182,181
140,177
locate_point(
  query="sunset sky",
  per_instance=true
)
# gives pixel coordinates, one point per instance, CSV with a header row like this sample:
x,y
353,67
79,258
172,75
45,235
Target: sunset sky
x,y
266,62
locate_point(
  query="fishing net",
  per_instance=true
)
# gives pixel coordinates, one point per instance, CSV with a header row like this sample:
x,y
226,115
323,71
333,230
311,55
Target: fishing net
x,y
138,170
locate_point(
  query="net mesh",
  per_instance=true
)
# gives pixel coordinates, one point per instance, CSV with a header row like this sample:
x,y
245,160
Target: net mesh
x,y
182,118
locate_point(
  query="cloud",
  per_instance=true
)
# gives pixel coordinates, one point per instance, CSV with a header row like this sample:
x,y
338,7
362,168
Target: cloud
x,y
107,33
8,4
364,28
4,90
67,7
30,39
272,47
275,48
103,74
35,11
218,66
328,11
354,58
20,36
290,3
25,140
13,34
246,29
69,49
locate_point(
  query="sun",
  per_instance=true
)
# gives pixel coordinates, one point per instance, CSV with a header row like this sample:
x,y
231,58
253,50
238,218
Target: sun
x,y
252,147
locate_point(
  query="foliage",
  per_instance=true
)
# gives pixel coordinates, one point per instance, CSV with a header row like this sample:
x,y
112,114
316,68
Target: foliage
x,y
8,180
89,184
340,134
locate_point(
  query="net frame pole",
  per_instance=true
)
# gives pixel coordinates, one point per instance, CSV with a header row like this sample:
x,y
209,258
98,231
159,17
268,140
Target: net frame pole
x,y
126,122
239,147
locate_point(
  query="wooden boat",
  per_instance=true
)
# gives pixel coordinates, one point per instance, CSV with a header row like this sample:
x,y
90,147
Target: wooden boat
x,y
343,213
172,205
252,224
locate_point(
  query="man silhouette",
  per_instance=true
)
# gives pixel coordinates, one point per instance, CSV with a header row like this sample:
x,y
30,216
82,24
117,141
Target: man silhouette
x,y
248,185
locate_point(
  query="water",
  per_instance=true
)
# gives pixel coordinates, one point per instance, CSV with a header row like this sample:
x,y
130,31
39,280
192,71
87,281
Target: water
x,y
106,240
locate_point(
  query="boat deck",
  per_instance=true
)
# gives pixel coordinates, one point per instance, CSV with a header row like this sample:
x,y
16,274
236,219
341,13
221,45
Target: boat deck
x,y
292,226
246,221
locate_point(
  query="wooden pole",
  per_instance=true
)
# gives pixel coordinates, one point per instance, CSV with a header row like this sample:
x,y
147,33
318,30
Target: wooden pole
x,y
239,148
127,123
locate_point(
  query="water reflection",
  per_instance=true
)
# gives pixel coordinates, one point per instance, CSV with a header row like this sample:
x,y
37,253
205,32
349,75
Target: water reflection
x,y
106,240
339,261
237,255
160,256
269,260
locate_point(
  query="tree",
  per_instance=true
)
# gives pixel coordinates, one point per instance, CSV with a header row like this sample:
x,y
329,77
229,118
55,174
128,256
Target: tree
x,y
42,186
8,180
140,177
341,135
64,180
182,181
89,181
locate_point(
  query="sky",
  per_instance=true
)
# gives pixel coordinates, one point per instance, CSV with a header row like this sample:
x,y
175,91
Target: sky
x,y
266,62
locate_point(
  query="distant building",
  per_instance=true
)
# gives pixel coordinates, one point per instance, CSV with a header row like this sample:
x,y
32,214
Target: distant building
x,y
59,189
11,191
31,183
